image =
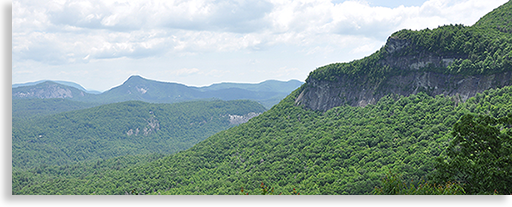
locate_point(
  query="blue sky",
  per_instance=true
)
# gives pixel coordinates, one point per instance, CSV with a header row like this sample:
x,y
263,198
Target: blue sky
x,y
100,43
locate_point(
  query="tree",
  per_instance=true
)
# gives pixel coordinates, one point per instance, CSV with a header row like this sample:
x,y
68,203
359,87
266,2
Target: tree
x,y
393,184
479,156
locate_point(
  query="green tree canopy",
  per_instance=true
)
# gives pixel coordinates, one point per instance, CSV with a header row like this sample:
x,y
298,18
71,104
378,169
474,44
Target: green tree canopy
x,y
479,156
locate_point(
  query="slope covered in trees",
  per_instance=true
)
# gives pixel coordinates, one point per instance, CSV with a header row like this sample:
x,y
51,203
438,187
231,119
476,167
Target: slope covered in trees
x,y
346,150
126,128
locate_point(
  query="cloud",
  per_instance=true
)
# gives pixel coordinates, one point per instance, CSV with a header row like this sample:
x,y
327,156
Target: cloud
x,y
79,31
185,71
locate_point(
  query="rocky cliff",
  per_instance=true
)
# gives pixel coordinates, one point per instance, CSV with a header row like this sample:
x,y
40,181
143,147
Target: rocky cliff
x,y
324,95
454,60
405,66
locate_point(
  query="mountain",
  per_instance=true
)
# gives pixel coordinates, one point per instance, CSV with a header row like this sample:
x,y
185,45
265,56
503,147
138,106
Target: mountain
x,y
47,98
345,151
127,128
453,60
66,83
269,85
138,88
49,89
267,93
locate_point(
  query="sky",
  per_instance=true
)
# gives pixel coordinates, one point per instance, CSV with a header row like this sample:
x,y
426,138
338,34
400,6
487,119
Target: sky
x,y
100,43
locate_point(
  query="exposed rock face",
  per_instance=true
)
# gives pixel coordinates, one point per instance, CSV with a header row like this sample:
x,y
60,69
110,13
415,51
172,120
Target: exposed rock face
x,y
236,119
46,90
153,126
324,95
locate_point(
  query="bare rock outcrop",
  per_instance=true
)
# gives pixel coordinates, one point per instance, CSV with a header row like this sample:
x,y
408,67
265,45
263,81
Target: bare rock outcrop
x,y
323,95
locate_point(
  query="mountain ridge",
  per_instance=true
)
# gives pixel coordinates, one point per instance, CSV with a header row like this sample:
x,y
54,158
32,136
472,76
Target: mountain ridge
x,y
453,60
136,87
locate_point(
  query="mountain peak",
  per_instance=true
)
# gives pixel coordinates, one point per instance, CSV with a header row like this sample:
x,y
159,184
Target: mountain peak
x,y
135,78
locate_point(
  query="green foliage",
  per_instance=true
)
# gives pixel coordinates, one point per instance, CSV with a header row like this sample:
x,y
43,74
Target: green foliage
x,y
476,50
265,190
23,109
480,155
485,48
346,150
120,129
498,19
393,184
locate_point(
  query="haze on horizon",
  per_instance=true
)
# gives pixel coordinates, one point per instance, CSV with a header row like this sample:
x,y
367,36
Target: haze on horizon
x,y
99,44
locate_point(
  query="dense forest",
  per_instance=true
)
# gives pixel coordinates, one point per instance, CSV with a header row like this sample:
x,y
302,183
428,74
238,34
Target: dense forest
x,y
346,150
126,128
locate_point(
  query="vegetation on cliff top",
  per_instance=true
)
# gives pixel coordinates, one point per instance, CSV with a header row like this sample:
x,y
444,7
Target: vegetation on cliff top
x,y
484,48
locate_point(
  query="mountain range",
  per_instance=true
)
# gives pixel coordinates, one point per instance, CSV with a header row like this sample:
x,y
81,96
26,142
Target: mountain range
x,y
267,93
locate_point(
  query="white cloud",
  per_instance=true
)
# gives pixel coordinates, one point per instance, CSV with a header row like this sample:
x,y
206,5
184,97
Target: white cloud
x,y
79,31
185,71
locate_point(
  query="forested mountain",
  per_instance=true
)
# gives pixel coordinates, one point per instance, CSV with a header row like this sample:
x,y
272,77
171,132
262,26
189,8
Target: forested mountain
x,y
431,104
126,128
346,150
23,109
267,93
453,60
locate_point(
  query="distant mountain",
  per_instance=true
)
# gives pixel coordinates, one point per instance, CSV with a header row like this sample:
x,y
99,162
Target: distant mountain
x,y
269,85
66,83
50,89
127,128
138,88
267,93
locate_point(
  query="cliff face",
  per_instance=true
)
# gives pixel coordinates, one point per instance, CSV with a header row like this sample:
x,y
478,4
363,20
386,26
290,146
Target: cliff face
x,y
46,90
323,95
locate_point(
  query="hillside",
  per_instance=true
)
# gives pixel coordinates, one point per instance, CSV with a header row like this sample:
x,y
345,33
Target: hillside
x,y
453,60
346,150
126,128
23,109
